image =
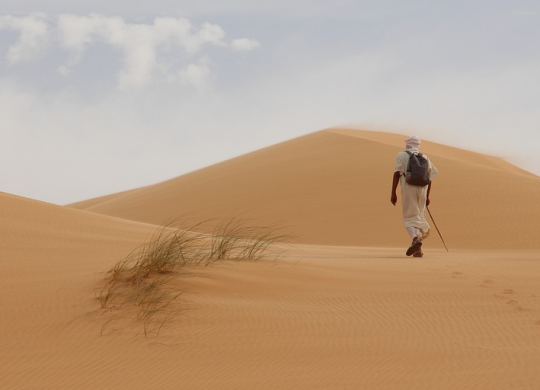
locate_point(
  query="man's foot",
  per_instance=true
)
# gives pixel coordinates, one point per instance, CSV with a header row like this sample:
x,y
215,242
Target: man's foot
x,y
418,253
415,246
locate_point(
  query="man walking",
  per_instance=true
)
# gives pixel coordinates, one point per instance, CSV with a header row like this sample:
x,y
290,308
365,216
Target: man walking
x,y
414,197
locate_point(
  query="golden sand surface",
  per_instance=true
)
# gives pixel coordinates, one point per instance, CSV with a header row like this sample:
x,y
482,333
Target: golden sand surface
x,y
332,187
343,308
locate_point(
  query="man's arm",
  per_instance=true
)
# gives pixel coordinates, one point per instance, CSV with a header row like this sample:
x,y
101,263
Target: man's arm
x,y
395,182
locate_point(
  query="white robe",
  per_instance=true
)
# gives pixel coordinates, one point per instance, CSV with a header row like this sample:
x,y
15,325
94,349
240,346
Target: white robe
x,y
413,198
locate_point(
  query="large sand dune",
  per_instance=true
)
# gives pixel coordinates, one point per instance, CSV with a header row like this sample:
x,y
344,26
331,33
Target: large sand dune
x,y
333,187
322,317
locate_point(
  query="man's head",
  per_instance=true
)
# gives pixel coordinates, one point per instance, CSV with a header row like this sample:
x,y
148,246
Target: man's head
x,y
413,143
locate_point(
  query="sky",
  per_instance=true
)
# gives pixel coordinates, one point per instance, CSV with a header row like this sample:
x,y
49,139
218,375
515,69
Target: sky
x,y
98,97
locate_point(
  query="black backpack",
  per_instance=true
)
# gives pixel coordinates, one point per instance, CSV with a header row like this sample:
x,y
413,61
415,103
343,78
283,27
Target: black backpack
x,y
417,170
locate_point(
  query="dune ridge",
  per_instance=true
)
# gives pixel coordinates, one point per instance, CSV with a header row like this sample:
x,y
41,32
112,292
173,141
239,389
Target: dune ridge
x,y
332,187
450,152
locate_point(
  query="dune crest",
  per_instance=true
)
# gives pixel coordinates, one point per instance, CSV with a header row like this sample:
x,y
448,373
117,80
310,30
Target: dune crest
x,y
332,187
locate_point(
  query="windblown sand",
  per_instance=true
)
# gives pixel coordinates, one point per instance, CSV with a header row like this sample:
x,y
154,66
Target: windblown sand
x,y
344,308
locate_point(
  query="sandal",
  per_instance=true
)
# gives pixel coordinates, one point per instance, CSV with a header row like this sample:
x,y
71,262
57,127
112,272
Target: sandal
x,y
415,247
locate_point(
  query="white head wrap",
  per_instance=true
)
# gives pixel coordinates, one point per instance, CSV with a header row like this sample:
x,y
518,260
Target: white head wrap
x,y
413,143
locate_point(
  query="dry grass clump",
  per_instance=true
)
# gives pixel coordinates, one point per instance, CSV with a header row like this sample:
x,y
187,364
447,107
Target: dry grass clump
x,y
143,279
232,239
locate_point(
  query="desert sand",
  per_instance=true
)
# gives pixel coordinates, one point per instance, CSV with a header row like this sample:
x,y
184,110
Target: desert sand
x,y
343,308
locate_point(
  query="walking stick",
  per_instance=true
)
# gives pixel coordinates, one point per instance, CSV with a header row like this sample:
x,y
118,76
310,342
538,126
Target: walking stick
x,y
438,231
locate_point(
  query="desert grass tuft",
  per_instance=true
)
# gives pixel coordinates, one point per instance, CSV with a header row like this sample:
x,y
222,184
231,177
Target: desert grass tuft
x,y
110,293
144,279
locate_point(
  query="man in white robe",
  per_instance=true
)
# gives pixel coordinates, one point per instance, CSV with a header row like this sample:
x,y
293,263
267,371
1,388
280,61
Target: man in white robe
x,y
414,199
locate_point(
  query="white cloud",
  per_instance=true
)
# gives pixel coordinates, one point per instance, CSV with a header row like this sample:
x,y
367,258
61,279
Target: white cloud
x,y
33,36
163,49
141,44
244,44
196,75
74,33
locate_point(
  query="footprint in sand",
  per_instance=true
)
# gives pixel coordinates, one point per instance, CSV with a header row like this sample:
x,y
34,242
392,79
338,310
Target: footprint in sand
x,y
457,275
515,303
487,283
506,292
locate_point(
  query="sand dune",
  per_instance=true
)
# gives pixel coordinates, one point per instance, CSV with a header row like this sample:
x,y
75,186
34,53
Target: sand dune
x,y
332,187
322,316
50,260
